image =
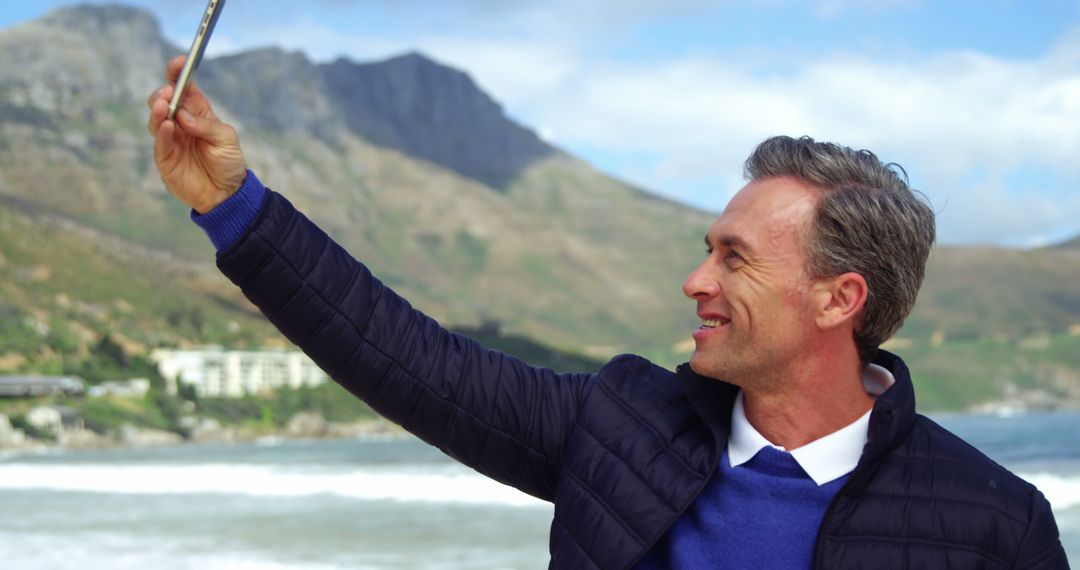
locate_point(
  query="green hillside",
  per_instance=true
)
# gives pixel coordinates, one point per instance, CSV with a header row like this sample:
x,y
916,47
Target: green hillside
x,y
65,288
1041,372
998,293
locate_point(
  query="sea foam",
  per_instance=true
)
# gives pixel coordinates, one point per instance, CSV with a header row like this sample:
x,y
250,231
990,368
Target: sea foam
x,y
420,483
448,483
1063,491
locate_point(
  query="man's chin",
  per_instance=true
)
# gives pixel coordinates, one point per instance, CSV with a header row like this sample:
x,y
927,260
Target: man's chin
x,y
701,366
723,370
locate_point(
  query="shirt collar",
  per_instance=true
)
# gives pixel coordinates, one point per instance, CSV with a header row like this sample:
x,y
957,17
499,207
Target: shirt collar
x,y
824,459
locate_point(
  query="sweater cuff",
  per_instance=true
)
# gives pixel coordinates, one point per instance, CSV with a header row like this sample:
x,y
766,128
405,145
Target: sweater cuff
x,y
228,221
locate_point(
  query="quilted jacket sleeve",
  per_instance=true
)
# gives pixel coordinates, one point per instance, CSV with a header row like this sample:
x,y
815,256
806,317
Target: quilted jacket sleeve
x,y
490,411
1041,547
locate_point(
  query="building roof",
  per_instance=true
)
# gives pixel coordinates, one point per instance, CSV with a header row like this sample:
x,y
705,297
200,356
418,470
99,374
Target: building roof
x,y
40,385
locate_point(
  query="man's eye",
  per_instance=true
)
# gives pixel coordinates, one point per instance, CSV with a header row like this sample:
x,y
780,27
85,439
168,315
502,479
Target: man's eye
x,y
732,257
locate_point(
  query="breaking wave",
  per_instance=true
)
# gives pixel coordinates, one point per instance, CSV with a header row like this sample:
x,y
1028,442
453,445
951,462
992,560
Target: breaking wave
x,y
420,483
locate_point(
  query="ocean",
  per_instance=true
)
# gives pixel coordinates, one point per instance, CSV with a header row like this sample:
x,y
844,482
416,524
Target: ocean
x,y
357,504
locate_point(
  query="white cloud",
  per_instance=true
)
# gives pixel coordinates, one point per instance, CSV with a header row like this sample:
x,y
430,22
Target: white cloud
x,y
956,112
943,117
991,213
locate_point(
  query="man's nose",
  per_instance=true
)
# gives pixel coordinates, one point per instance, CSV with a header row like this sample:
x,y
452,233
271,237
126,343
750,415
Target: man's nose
x,y
701,284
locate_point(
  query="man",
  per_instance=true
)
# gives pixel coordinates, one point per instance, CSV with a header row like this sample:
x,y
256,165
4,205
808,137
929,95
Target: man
x,y
790,439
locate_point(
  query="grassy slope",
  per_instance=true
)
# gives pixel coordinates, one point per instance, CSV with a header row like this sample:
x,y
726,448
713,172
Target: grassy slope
x,y
68,295
1044,371
567,256
991,322
64,288
996,293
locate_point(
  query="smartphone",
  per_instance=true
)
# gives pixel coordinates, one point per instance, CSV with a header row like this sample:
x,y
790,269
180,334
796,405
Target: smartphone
x,y
202,37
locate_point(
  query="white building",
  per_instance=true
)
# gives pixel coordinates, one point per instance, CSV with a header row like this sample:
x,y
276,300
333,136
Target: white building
x,y
215,372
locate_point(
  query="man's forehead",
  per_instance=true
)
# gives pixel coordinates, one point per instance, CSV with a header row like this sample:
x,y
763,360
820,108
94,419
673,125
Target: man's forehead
x,y
763,212
777,195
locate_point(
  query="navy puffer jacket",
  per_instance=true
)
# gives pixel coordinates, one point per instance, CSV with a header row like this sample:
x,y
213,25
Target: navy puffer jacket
x,y
623,452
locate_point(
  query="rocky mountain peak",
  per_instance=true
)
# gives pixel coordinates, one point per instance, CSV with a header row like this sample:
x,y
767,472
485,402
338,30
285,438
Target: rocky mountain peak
x,y
270,88
76,59
409,102
435,112
271,56
418,84
96,19
416,60
1073,243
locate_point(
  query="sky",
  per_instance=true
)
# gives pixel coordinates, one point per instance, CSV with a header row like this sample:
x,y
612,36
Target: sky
x,y
979,101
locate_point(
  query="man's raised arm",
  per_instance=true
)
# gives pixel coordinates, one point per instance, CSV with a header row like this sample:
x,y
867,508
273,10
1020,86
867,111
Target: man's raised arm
x,y
491,411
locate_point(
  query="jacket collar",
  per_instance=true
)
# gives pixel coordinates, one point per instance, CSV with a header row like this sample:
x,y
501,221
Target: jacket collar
x,y
891,419
712,400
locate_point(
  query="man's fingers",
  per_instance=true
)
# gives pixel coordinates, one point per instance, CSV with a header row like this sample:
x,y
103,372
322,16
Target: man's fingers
x,y
163,141
207,128
159,109
193,98
164,92
172,69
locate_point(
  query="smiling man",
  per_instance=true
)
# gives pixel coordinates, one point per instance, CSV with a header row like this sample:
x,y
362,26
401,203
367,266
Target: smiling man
x,y
790,440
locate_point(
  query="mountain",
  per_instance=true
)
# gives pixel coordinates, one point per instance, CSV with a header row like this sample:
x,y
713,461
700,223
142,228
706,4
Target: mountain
x,y
409,103
71,127
407,162
1073,243
978,292
420,174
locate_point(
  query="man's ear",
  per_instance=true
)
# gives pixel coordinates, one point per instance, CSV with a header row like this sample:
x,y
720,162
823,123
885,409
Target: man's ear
x,y
842,299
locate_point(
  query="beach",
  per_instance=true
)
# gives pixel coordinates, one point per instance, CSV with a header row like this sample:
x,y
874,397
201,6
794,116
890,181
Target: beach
x,y
375,502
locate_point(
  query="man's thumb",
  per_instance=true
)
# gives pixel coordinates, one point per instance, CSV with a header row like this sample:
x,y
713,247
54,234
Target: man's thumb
x,y
216,132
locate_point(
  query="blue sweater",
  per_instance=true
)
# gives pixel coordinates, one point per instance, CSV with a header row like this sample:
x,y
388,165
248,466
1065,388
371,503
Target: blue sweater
x,y
227,222
764,513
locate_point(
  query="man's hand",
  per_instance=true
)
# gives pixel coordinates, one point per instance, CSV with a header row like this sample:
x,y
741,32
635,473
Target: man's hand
x,y
198,156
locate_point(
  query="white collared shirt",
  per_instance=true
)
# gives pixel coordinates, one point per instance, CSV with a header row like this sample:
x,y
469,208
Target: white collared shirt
x,y
824,459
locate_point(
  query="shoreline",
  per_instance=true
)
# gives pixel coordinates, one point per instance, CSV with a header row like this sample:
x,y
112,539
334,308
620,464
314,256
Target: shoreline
x,y
305,426
312,426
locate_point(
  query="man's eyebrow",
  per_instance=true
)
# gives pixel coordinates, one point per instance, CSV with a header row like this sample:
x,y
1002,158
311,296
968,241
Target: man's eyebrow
x,y
732,241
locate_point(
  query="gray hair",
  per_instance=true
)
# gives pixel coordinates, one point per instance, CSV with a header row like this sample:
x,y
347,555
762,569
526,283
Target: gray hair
x,y
868,221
